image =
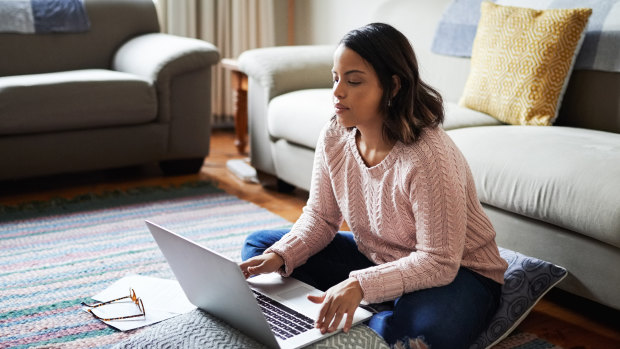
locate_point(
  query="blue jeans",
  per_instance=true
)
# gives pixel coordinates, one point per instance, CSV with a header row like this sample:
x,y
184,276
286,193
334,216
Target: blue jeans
x,y
450,316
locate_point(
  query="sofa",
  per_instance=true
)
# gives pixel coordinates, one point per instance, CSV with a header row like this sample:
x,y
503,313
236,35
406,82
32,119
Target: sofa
x,y
551,192
116,93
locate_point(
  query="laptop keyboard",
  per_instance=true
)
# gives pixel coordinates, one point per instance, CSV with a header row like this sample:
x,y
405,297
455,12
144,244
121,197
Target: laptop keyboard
x,y
284,321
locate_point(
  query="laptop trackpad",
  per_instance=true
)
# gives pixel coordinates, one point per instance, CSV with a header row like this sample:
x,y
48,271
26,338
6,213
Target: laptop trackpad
x,y
297,292
286,290
297,298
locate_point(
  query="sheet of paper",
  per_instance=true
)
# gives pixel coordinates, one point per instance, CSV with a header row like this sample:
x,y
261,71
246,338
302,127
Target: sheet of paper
x,y
163,299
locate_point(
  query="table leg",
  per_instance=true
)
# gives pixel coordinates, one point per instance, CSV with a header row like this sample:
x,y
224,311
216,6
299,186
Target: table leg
x,y
240,86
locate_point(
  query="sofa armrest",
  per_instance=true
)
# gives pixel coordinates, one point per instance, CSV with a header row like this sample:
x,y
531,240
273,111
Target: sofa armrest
x,y
161,58
180,69
289,68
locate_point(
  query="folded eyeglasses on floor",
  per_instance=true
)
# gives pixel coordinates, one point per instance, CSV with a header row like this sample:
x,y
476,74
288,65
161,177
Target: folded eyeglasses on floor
x,y
132,296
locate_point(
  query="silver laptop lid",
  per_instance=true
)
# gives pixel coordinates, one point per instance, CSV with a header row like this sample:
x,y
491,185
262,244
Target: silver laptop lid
x,y
213,283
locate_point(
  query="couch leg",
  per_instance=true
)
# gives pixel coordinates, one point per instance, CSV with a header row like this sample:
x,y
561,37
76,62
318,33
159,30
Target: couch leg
x,y
271,182
181,166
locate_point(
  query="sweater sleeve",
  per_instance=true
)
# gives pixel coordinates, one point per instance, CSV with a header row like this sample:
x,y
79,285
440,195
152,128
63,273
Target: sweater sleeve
x,y
438,199
319,221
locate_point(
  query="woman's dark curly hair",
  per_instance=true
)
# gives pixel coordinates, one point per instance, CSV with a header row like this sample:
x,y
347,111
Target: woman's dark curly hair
x,y
416,105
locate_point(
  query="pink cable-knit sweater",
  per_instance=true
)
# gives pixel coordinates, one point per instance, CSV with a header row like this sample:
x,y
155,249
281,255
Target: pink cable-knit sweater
x,y
415,214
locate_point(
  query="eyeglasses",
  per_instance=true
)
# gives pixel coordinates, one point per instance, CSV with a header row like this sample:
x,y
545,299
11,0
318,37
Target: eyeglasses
x,y
132,296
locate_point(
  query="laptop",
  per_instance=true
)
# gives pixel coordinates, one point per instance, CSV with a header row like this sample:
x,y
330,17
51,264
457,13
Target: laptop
x,y
271,309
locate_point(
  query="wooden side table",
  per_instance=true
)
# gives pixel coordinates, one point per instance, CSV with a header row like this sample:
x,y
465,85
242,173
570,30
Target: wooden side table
x,y
239,82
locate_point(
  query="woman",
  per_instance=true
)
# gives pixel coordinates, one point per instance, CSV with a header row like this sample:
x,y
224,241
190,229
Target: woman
x,y
419,239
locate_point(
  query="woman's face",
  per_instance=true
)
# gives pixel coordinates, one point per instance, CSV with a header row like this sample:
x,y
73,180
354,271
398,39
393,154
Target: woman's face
x,y
357,91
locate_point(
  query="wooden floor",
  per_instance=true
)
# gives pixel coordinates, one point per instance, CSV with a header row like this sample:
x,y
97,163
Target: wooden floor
x,y
563,319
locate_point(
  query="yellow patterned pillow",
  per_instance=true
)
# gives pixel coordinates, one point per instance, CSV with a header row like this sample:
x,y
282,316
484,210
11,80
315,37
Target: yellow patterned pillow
x,y
521,61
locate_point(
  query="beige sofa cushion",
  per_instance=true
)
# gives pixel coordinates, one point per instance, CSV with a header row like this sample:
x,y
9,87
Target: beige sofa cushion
x,y
98,98
299,116
457,116
526,170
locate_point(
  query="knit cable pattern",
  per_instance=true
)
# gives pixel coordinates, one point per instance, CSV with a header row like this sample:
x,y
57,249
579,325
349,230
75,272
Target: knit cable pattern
x,y
416,214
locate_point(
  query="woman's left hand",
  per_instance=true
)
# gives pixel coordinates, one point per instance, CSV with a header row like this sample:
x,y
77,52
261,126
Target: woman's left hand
x,y
339,300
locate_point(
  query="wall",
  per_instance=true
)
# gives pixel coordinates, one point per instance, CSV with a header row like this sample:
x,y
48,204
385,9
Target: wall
x,y
324,22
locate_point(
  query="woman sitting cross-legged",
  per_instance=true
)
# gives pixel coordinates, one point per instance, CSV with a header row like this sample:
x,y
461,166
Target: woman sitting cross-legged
x,y
419,236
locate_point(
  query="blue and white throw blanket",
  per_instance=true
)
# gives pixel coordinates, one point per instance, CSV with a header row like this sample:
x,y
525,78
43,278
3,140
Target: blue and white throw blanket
x,y
43,16
601,46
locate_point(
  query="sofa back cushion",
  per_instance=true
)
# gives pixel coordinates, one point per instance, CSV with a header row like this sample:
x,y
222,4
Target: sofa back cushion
x,y
418,20
112,23
591,98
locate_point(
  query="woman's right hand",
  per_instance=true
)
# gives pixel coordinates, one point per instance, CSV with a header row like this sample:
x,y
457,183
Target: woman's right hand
x,y
262,264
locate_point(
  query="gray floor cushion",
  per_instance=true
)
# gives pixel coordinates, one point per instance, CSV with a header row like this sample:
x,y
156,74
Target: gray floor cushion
x,y
526,281
199,329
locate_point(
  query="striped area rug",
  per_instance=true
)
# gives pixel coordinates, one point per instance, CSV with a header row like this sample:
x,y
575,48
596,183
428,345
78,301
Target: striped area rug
x,y
56,254
49,264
